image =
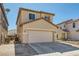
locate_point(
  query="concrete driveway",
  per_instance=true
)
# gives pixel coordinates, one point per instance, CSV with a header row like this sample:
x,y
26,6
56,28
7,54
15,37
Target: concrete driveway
x,y
24,50
54,49
49,48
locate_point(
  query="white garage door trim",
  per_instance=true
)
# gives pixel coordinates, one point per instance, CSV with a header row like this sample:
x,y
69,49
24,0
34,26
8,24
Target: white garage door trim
x,y
39,29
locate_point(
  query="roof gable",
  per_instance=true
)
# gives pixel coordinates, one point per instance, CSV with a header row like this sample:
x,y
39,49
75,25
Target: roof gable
x,y
40,23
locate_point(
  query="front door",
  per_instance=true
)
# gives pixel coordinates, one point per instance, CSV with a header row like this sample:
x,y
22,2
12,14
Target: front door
x,y
63,35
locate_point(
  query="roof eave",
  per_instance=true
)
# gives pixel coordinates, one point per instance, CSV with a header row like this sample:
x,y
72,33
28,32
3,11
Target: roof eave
x,y
36,11
2,8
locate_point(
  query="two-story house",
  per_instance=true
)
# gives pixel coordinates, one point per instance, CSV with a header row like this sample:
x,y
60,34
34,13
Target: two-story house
x,y
72,28
35,26
3,24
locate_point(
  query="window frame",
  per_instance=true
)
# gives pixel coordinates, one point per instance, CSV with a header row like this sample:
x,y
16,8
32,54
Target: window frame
x,y
31,16
74,24
47,17
64,25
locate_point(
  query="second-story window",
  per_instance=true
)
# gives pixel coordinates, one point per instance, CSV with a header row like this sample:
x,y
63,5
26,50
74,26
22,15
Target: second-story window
x,y
31,16
46,17
60,27
64,26
73,25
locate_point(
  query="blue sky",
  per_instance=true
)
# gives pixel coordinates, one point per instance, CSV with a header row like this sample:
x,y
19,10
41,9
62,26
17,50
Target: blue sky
x,y
62,11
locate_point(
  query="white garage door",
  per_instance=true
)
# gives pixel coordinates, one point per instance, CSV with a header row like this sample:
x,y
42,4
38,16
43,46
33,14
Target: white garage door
x,y
40,36
74,36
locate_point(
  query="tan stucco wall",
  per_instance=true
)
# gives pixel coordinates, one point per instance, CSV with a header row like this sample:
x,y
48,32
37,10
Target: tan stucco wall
x,y
20,32
3,31
41,24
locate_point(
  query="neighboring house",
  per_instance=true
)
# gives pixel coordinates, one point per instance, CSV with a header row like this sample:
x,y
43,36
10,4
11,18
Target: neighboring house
x,y
72,28
35,26
63,31
3,24
12,32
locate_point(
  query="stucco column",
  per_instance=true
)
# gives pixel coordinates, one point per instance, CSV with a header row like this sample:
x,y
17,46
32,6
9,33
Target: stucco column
x,y
0,38
3,38
53,36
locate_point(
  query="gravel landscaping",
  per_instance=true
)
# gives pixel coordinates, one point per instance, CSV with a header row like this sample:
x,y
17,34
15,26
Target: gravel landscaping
x,y
7,50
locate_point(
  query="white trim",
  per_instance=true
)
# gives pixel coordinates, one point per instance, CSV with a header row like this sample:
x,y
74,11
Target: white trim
x,y
39,29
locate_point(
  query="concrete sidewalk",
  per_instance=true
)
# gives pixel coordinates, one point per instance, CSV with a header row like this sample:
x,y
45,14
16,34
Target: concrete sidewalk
x,y
75,45
71,53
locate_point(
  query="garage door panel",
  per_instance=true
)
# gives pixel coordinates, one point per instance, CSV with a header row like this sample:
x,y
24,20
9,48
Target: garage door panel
x,y
74,36
40,36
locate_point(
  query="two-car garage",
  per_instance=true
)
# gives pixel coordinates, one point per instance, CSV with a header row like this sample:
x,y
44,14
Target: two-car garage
x,y
40,36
